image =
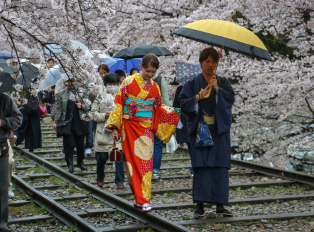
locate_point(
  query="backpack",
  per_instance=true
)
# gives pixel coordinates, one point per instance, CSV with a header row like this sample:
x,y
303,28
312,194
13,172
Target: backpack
x,y
158,81
32,105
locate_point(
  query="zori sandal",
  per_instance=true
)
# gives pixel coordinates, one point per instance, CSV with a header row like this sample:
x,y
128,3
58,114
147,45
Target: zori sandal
x,y
146,207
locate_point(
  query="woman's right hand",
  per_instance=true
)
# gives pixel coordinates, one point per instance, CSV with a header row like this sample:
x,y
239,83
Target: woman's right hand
x,y
107,114
115,134
55,127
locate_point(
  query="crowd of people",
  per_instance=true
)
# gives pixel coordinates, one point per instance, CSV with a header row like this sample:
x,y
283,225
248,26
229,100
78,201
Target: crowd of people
x,y
141,122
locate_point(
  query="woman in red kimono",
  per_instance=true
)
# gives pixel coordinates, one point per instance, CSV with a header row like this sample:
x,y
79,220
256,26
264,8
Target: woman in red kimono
x,y
139,114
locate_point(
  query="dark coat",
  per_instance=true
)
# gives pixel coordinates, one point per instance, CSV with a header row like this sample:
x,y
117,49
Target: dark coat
x,y
30,131
219,154
182,135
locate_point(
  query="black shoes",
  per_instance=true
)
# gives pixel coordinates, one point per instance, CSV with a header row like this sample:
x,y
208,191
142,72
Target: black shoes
x,y
70,169
82,166
198,215
224,212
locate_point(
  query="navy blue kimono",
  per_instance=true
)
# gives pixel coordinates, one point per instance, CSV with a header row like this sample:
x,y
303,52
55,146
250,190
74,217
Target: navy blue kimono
x,y
210,164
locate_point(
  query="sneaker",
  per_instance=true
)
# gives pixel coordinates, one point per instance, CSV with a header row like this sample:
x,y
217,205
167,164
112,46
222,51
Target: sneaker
x,y
88,152
11,194
156,176
146,207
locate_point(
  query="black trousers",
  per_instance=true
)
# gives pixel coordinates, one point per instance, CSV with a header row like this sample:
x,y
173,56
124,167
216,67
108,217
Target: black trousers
x,y
71,141
4,187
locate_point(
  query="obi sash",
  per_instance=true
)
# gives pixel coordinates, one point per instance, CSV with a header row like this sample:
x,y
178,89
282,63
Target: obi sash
x,y
209,120
138,108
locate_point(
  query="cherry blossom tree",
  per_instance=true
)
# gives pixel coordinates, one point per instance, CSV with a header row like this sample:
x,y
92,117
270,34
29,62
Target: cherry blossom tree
x,y
29,26
274,107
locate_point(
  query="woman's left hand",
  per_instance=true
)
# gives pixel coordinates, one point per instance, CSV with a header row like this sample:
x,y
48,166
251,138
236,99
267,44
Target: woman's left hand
x,y
79,105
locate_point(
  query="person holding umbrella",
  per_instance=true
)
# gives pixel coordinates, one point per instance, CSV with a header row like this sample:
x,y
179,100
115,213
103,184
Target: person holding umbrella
x,y
210,164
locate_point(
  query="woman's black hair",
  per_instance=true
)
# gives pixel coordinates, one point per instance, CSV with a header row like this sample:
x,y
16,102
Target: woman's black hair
x,y
111,78
120,73
133,70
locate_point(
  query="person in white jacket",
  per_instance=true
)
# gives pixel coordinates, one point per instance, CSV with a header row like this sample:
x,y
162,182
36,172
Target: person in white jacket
x,y
103,139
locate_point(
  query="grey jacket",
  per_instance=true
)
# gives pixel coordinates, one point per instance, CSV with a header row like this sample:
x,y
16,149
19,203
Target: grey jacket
x,y
63,98
10,116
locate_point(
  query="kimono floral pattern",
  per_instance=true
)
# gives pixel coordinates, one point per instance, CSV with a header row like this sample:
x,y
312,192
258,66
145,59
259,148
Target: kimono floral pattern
x,y
137,133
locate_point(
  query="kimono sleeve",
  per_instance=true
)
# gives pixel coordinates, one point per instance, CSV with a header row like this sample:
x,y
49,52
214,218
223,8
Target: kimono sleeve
x,y
187,100
223,112
165,120
115,118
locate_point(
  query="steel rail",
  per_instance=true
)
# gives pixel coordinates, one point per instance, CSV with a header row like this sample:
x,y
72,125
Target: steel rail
x,y
58,210
154,221
266,170
284,174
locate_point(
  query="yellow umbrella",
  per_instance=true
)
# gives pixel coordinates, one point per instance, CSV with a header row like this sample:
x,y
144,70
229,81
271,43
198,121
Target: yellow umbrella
x,y
225,34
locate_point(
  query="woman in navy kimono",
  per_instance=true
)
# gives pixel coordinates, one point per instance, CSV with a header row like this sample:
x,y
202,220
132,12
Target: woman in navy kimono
x,y
210,164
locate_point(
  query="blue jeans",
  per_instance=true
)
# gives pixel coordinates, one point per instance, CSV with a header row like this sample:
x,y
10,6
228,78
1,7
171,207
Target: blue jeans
x,y
89,137
189,148
158,144
102,158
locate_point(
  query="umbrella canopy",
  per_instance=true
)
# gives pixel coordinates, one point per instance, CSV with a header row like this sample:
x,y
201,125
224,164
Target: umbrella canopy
x,y
102,57
53,75
140,51
55,48
186,71
125,65
5,56
227,34
29,72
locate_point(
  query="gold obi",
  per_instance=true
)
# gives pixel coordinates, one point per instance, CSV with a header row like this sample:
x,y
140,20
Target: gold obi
x,y
209,120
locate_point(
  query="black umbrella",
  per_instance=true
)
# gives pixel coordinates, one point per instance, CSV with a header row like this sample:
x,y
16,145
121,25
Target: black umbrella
x,y
139,51
29,72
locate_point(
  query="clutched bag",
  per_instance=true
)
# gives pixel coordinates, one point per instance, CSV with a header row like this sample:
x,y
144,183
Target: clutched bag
x,y
203,136
64,128
114,153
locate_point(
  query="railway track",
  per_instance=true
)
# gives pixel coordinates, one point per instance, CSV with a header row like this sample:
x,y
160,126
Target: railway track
x,y
260,197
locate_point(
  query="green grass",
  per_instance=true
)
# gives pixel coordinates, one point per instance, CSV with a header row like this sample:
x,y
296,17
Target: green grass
x,y
169,194
19,195
29,208
127,196
238,189
38,169
73,228
94,200
146,230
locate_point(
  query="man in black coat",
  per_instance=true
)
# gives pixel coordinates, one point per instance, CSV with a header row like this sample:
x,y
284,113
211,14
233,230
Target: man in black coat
x,y
10,119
